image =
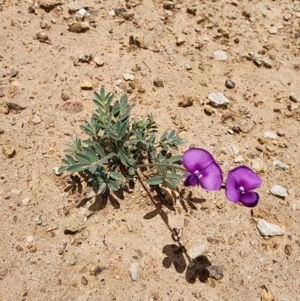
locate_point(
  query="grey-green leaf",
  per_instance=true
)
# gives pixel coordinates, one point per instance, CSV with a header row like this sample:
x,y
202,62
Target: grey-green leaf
x,y
155,180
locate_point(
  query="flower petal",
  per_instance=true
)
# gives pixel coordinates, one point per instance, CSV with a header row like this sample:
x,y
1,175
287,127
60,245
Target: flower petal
x,y
244,176
231,189
249,199
211,177
191,180
196,159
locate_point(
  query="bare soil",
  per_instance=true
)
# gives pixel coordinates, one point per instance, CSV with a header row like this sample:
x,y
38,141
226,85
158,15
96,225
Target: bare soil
x,y
38,261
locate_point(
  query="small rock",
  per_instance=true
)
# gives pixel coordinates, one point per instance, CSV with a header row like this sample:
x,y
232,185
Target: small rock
x,y
8,151
98,61
36,119
26,201
86,85
31,10
56,171
293,107
234,149
212,22
74,223
42,36
186,102
118,82
84,281
180,41
111,13
220,55
266,62
273,30
64,96
220,204
209,110
49,4
247,126
141,89
60,251
128,76
280,165
214,272
191,11
84,57
188,67
229,84
134,271
293,97
72,107
32,248
168,49
169,5
279,191
81,14
158,83
120,10
13,72
270,135
30,238
281,133
38,220
75,6
79,27
238,159
218,99
258,166
288,249
268,229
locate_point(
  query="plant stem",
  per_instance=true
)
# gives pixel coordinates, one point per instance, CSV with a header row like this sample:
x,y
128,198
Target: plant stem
x,y
161,164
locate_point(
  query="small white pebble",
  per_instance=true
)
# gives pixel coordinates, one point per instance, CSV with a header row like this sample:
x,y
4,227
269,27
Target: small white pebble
x,y
29,238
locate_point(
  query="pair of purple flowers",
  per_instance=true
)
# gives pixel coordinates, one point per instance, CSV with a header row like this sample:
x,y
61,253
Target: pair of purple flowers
x,y
203,170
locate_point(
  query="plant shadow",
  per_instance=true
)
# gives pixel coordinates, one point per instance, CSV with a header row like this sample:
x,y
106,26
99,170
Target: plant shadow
x,y
194,269
98,202
189,200
74,184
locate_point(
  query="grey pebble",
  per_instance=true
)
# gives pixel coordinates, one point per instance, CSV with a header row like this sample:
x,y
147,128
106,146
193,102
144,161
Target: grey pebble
x,y
13,72
270,135
229,84
293,97
218,99
214,272
220,55
74,6
84,57
134,271
280,165
268,229
279,191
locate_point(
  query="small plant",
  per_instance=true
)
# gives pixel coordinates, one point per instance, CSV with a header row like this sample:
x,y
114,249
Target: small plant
x,y
117,146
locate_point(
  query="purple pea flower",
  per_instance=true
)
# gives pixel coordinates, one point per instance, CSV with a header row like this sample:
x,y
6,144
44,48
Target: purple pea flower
x,y
240,181
202,169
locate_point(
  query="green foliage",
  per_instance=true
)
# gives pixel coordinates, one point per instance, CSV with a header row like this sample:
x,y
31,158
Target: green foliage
x,y
116,146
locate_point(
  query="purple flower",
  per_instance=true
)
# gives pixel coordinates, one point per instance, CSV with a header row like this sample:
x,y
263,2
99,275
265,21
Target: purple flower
x,y
240,181
202,169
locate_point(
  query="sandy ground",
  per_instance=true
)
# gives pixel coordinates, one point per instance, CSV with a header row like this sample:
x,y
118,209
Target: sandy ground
x,y
174,41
